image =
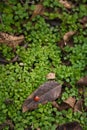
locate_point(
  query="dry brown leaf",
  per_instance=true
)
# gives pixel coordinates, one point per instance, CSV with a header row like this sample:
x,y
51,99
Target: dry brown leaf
x,y
61,44
68,35
66,4
38,129
70,126
11,40
39,10
60,107
51,76
83,21
82,81
47,92
70,101
54,104
78,106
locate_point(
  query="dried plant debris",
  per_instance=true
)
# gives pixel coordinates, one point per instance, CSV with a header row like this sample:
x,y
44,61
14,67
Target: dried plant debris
x,y
11,40
3,60
47,92
83,21
55,104
68,36
38,129
39,10
61,44
51,76
13,60
83,81
66,4
67,39
78,106
60,107
70,126
70,101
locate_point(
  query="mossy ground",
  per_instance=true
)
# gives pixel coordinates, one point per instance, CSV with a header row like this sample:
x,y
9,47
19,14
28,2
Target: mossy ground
x,y
42,55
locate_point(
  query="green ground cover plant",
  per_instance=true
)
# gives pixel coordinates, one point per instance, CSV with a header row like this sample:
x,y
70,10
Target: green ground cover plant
x,y
42,55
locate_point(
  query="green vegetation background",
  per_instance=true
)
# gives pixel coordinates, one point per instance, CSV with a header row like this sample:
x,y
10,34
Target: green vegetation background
x,y
43,55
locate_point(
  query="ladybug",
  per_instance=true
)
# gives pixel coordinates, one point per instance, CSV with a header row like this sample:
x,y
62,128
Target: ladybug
x,y
36,98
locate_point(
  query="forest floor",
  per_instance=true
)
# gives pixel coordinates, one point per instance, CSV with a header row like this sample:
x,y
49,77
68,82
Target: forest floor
x,y
43,57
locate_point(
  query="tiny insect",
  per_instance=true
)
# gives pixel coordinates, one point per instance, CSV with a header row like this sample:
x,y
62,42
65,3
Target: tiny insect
x,y
36,98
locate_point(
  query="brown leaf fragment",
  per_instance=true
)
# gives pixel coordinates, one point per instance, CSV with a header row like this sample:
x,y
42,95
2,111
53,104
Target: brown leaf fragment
x,y
55,104
60,107
82,81
39,10
70,126
51,76
38,129
11,40
78,106
66,4
63,106
68,36
70,101
61,44
47,92
15,59
83,21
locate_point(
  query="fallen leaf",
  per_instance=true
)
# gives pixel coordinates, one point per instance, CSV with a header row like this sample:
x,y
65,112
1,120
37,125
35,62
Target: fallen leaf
x,y
68,36
55,104
66,4
51,76
47,92
38,129
70,101
39,10
82,81
83,21
78,106
63,106
11,40
70,126
60,107
61,44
